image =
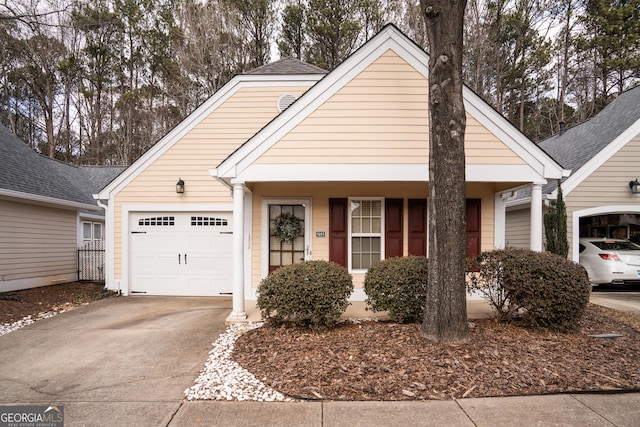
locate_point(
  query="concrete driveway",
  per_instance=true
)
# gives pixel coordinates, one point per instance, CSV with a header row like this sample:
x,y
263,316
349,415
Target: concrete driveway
x,y
123,361
625,301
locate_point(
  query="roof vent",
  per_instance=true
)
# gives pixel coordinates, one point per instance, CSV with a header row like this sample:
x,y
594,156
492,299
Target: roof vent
x,y
563,127
285,101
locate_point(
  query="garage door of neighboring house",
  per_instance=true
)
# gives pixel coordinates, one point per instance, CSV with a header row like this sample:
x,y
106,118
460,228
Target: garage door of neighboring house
x,y
177,253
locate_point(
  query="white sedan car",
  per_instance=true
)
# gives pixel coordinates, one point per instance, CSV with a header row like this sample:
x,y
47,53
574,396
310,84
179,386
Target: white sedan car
x,y
612,261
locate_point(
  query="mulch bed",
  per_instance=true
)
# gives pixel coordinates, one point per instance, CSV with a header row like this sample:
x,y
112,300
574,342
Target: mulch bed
x,y
16,305
388,361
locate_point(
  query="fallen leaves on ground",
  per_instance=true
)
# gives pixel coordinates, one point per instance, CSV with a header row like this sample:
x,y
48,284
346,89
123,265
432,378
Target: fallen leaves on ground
x,y
15,305
388,361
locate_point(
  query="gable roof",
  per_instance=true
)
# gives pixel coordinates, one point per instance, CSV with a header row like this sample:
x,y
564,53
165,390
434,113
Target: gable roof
x,y
289,66
585,147
28,175
285,72
389,38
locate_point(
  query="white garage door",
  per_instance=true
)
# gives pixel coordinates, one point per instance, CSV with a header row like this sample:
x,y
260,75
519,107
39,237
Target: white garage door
x,y
178,253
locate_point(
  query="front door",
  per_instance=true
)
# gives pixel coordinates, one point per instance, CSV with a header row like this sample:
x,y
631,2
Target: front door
x,y
287,240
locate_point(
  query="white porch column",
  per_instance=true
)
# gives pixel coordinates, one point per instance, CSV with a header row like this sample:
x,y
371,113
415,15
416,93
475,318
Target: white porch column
x,y
535,242
238,312
500,225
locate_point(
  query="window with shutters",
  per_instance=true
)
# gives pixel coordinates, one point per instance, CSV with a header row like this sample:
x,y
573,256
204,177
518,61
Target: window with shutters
x,y
358,238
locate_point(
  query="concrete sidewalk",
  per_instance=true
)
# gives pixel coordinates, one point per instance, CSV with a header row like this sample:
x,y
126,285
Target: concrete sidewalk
x,y
551,410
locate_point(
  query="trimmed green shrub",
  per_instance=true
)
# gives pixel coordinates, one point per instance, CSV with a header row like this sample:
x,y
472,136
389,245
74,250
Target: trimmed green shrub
x,y
311,294
399,286
544,289
487,279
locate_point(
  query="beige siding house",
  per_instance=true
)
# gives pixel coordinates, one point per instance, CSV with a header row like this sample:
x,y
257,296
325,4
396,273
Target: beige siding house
x,y
46,212
345,165
603,154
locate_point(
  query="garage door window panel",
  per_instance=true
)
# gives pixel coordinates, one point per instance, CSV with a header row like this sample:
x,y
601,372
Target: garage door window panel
x,y
208,221
157,221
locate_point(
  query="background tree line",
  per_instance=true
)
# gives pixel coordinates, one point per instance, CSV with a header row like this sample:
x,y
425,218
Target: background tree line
x,y
99,82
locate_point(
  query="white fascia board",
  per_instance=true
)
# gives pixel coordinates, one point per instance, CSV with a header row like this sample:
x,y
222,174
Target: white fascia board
x,y
214,174
546,166
320,93
193,119
599,159
36,199
326,172
90,216
503,173
377,172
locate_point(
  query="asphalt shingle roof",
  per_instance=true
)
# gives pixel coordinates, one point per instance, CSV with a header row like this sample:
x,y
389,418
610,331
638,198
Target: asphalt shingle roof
x,y
579,144
287,66
25,171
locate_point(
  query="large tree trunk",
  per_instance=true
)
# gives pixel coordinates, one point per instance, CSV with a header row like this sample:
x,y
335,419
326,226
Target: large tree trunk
x,y
445,318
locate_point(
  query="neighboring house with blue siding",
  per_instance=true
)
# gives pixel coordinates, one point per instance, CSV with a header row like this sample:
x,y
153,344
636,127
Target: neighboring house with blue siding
x,y
46,212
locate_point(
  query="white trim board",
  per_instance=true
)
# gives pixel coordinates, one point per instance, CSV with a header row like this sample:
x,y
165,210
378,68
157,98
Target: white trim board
x,y
327,172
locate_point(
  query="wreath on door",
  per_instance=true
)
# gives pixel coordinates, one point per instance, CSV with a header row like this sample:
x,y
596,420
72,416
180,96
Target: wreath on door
x,y
286,227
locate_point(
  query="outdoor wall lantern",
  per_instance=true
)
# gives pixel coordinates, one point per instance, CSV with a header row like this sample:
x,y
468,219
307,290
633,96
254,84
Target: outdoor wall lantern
x,y
634,186
180,186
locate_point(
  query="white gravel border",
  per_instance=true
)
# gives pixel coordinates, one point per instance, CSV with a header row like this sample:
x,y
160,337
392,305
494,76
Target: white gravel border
x,y
5,328
224,379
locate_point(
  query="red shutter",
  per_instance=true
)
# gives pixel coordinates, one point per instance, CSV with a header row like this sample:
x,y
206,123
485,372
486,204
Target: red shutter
x,y
338,232
417,227
473,227
393,227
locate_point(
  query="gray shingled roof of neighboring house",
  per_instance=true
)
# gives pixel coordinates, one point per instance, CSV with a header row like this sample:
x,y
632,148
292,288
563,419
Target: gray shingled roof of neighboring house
x,y
95,178
577,145
287,66
25,171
